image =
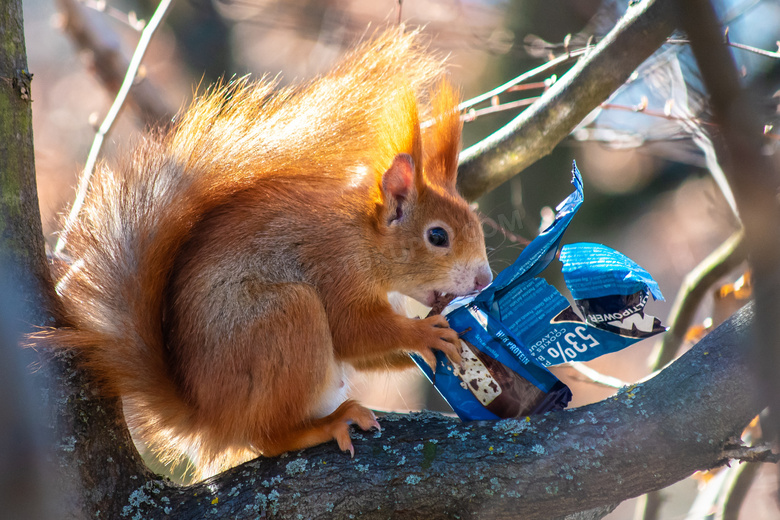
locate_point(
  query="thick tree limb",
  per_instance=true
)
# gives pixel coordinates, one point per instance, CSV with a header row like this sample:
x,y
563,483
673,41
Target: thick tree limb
x,y
25,289
95,458
538,129
428,466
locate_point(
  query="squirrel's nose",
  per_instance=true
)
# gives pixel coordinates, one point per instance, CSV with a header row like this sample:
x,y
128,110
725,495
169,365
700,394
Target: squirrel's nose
x,y
483,278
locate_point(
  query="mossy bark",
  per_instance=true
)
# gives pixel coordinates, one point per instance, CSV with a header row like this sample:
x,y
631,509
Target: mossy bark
x,y
22,259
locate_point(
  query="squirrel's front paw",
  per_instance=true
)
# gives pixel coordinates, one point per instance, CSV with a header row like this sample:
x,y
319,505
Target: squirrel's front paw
x,y
436,334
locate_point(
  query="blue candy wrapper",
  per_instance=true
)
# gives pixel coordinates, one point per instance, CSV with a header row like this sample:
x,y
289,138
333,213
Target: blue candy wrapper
x,y
519,325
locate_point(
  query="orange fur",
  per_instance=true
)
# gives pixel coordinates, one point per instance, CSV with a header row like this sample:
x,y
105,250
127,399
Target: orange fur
x,y
227,272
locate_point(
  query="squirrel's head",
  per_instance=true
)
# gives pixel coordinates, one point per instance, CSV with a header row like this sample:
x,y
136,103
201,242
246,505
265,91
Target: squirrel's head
x,y
431,240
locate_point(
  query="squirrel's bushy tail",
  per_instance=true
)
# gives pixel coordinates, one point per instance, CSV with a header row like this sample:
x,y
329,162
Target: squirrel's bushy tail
x,y
122,247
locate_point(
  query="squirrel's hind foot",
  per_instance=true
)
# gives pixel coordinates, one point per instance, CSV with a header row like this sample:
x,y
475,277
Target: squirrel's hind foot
x,y
331,427
350,412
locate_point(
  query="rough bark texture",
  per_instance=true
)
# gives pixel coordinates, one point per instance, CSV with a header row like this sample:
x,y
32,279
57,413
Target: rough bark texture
x,y
537,130
25,288
90,445
22,262
427,466
96,462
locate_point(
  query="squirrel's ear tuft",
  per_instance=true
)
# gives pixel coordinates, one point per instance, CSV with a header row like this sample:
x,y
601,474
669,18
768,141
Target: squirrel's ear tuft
x,y
441,141
397,185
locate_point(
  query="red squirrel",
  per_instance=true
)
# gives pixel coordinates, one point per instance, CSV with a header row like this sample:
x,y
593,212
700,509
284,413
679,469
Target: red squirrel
x,y
227,272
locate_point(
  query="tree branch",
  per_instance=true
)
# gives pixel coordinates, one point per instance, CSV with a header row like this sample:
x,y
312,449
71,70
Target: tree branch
x,y
757,453
538,129
109,63
428,466
754,180
695,286
108,122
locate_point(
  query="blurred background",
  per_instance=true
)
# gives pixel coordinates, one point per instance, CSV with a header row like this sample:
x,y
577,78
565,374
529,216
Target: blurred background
x,y
649,191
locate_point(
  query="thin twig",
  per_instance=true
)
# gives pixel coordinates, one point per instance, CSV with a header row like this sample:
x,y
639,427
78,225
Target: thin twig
x,y
756,50
740,478
695,286
108,122
472,114
523,77
756,453
130,19
594,77
510,85
594,376
724,489
92,35
741,46
531,86
662,115
654,113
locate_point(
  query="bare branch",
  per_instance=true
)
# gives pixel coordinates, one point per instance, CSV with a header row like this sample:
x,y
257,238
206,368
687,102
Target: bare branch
x,y
694,287
128,18
741,46
538,129
109,63
513,83
22,260
646,437
757,453
26,293
754,181
108,122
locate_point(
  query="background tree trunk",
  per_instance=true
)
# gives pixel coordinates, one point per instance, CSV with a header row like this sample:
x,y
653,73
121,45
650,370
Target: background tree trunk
x,y
21,235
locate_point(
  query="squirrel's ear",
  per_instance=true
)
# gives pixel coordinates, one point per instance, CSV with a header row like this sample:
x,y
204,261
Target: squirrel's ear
x,y
397,186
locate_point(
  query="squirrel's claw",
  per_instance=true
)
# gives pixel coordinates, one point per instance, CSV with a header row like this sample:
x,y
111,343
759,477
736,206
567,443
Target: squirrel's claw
x,y
429,357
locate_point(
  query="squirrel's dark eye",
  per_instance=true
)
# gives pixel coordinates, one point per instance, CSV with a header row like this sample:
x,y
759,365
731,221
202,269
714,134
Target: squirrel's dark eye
x,y
438,237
